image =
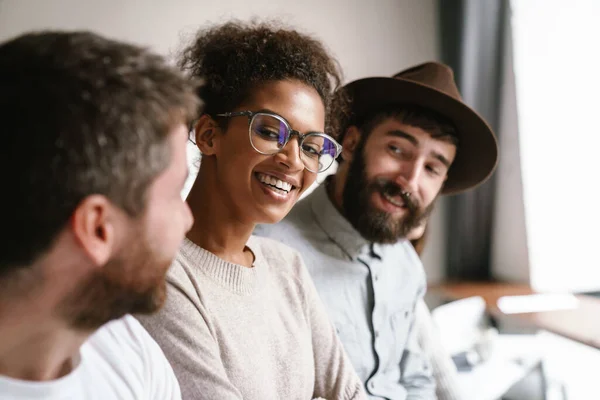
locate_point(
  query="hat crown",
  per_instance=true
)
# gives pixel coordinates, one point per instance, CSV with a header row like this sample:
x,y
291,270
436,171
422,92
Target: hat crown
x,y
435,75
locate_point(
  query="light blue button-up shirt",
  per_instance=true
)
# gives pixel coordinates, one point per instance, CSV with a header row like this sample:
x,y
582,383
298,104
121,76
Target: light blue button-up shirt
x,y
370,292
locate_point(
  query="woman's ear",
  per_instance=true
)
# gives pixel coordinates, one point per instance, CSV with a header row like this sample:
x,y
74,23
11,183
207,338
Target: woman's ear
x,y
206,136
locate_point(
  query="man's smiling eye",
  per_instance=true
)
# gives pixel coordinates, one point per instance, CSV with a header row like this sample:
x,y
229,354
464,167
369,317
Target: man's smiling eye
x,y
432,169
395,149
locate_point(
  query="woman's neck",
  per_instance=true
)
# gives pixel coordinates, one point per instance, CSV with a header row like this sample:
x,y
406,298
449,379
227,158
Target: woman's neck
x,y
216,228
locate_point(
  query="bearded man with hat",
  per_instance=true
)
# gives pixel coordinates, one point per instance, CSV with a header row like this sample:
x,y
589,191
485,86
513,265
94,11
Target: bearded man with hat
x,y
408,140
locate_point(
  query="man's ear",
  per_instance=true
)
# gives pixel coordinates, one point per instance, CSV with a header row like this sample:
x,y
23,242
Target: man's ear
x,y
206,135
95,226
350,142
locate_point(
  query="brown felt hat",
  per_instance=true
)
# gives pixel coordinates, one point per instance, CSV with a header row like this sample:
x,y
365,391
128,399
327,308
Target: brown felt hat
x,y
431,85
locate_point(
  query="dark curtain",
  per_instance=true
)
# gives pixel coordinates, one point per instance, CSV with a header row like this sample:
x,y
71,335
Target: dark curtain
x,y
472,34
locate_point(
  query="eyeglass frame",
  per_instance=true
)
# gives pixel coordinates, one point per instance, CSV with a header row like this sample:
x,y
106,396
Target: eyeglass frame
x,y
252,114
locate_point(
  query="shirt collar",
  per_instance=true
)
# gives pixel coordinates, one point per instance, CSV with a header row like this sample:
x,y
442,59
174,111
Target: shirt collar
x,y
336,226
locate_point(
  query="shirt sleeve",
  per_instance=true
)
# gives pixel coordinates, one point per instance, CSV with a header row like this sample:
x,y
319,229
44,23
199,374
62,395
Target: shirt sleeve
x,y
180,328
443,368
417,377
335,377
160,381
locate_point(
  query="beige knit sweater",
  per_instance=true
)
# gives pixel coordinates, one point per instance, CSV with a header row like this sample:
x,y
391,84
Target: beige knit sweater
x,y
232,332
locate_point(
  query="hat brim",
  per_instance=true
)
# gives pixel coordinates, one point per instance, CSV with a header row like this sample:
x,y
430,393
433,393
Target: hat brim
x,y
477,153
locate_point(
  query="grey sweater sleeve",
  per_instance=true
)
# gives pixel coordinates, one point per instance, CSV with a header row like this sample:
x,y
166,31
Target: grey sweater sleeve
x,y
335,377
180,328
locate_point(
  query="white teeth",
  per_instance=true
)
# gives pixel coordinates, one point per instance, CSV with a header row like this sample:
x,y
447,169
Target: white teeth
x,y
278,183
393,201
283,185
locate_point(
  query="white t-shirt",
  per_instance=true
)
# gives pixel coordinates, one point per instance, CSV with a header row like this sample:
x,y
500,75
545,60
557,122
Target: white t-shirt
x,y
120,361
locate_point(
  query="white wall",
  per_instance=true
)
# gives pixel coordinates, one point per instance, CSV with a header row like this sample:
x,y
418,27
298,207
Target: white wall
x,y
556,68
368,37
510,251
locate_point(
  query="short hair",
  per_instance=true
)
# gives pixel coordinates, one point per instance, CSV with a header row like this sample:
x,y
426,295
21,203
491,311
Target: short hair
x,y
428,120
81,115
236,58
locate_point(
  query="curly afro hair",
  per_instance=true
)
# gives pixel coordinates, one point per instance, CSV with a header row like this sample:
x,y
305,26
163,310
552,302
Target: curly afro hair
x,y
235,58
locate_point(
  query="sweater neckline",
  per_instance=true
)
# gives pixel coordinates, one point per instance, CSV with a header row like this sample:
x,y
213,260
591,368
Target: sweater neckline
x,y
234,277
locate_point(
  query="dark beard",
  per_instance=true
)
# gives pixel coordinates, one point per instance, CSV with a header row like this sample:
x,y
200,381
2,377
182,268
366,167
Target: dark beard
x,y
120,287
375,225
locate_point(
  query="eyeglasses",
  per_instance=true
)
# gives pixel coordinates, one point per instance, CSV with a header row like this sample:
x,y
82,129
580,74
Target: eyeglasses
x,y
269,133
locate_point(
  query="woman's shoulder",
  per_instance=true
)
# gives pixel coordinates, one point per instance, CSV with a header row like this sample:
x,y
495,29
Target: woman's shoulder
x,y
182,274
284,265
279,257
272,249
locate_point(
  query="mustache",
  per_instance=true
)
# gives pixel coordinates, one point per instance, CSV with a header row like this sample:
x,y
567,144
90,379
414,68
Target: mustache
x,y
391,189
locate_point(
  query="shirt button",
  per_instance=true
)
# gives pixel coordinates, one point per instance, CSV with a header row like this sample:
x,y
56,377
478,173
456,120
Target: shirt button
x,y
371,385
376,277
376,334
405,314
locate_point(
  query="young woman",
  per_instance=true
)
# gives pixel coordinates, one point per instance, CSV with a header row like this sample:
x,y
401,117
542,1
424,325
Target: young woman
x,y
242,318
